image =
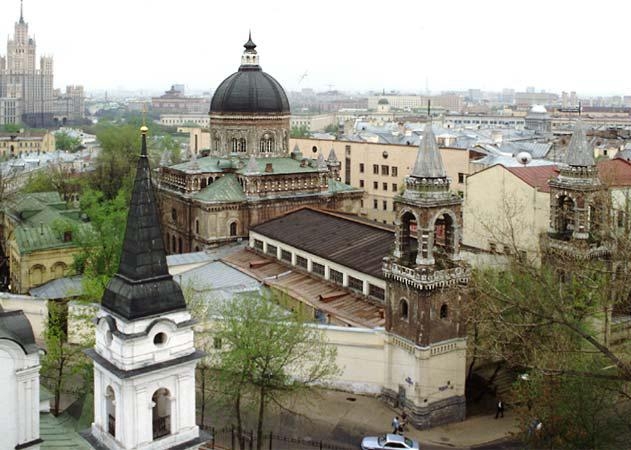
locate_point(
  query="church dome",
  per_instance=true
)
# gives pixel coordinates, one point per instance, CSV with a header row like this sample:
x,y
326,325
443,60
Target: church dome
x,y
383,101
250,90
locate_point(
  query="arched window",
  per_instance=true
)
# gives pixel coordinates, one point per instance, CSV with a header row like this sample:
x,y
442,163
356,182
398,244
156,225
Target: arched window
x,y
239,145
173,245
408,245
110,410
59,269
266,145
444,311
445,235
161,413
202,185
197,226
233,229
404,309
179,247
37,274
565,217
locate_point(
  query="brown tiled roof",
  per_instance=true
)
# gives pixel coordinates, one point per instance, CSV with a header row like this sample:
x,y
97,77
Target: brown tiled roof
x,y
535,176
343,306
615,172
353,244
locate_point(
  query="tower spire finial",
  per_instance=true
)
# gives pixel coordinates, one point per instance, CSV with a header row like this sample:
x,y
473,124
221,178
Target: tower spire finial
x,y
250,45
21,11
143,131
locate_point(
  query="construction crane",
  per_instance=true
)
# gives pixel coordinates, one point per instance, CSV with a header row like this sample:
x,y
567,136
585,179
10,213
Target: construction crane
x,y
302,77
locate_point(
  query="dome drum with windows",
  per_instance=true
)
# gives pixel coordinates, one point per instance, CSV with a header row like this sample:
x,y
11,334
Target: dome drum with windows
x,y
253,95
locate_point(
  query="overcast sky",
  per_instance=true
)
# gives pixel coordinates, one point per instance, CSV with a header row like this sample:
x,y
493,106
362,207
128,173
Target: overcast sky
x,y
347,45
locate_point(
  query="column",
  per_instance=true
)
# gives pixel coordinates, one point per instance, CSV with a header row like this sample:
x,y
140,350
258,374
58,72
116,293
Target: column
x,y
309,265
344,279
327,272
293,258
365,288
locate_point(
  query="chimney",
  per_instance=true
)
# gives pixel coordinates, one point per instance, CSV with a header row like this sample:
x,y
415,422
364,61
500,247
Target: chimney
x,y
268,168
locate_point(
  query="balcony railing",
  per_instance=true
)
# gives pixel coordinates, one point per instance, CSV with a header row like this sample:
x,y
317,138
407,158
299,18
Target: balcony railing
x,y
111,425
161,426
426,279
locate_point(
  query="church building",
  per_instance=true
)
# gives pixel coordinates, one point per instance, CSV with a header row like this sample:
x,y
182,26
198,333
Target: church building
x,y
250,175
414,276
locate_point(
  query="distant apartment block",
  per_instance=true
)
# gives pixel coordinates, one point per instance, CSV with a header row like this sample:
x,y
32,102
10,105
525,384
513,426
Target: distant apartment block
x,y
178,120
451,102
483,121
26,89
524,100
174,101
312,122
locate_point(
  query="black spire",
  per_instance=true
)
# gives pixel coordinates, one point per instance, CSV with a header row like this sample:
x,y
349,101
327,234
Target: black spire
x,y
249,45
142,287
21,11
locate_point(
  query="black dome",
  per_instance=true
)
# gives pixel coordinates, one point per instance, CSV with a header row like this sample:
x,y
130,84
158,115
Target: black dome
x,y
250,90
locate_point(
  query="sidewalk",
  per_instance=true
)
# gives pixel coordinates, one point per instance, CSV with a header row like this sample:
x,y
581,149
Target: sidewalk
x,y
345,418
373,415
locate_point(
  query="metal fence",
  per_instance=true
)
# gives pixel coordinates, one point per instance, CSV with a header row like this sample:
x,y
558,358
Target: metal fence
x,y
228,438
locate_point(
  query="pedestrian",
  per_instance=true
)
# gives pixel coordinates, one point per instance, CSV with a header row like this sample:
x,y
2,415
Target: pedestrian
x,y
404,421
395,425
500,409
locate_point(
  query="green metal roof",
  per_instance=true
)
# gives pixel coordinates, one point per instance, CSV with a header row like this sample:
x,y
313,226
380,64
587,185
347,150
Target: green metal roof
x,y
338,186
40,216
30,239
58,433
225,189
280,165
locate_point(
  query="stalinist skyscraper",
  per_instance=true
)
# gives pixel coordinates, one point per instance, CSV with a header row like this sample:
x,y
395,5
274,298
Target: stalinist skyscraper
x,y
26,91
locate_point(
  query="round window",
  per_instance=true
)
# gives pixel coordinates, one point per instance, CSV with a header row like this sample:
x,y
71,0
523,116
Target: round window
x,y
160,339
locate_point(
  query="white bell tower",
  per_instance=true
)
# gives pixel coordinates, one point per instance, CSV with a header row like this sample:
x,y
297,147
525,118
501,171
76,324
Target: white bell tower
x,y
144,357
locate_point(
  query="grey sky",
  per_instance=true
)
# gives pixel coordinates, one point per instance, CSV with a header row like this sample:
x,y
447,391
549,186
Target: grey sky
x,y
350,45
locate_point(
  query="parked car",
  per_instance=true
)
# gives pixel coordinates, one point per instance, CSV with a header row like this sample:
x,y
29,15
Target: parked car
x,y
388,442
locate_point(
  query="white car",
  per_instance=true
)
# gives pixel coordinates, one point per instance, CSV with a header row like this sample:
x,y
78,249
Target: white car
x,y
388,442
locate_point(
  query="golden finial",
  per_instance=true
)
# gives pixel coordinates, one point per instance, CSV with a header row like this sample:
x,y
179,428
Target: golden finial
x,y
144,128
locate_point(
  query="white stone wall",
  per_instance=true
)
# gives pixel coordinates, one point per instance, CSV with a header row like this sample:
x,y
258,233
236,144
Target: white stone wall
x,y
136,353
19,390
134,407
132,399
35,310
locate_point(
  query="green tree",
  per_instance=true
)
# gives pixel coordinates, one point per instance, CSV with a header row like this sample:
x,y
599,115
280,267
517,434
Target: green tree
x,y
12,127
165,143
115,164
268,354
550,321
299,132
63,141
199,306
332,129
65,368
54,178
101,244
